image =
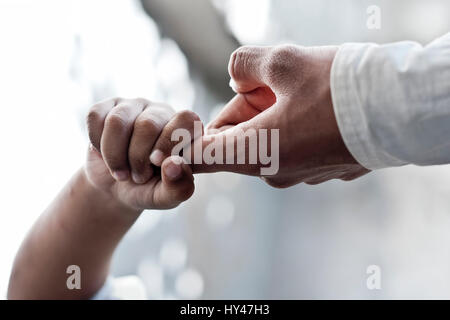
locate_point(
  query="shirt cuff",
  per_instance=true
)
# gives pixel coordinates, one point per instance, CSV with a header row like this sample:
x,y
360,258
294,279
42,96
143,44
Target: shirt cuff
x,y
349,107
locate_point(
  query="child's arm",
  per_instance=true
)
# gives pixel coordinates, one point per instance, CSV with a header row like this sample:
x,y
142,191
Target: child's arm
x,y
100,203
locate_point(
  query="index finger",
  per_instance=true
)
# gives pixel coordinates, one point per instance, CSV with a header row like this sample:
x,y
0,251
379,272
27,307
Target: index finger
x,y
244,107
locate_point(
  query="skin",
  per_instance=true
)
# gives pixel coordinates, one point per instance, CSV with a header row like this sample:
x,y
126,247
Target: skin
x,y
286,88
129,166
87,220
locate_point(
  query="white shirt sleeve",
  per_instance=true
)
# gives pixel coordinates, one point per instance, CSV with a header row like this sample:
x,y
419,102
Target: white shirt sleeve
x,y
392,102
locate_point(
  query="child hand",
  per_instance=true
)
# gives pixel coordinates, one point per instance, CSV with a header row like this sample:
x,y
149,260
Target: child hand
x,y
123,133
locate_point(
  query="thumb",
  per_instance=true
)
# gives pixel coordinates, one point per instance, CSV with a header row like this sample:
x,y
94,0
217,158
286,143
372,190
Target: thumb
x,y
176,184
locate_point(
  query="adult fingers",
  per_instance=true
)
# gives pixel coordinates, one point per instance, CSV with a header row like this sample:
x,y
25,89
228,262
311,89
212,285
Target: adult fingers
x,y
275,67
247,68
251,147
243,107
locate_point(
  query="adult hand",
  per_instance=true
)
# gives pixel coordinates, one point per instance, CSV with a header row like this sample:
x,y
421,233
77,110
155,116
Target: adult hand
x,y
286,88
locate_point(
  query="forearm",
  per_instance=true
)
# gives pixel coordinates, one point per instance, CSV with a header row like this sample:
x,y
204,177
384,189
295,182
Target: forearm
x,y
81,227
392,102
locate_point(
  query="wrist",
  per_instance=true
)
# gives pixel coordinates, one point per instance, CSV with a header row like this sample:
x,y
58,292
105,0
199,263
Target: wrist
x,y
342,152
318,83
104,201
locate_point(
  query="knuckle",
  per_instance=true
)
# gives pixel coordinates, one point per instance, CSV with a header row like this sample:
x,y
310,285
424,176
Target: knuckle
x,y
280,62
114,100
93,118
147,126
115,121
187,116
117,118
142,101
282,53
167,108
94,124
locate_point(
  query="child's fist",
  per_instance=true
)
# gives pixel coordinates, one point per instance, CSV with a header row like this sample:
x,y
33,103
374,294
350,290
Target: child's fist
x,y
123,134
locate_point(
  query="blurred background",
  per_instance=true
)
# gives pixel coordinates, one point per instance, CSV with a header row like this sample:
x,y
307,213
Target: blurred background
x,y
236,238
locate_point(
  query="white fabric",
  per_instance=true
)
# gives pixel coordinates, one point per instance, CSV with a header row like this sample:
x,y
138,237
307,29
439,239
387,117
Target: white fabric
x,y
392,102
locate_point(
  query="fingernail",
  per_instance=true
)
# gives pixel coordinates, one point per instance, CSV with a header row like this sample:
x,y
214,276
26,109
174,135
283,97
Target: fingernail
x,y
120,175
178,160
173,171
156,157
137,178
233,85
